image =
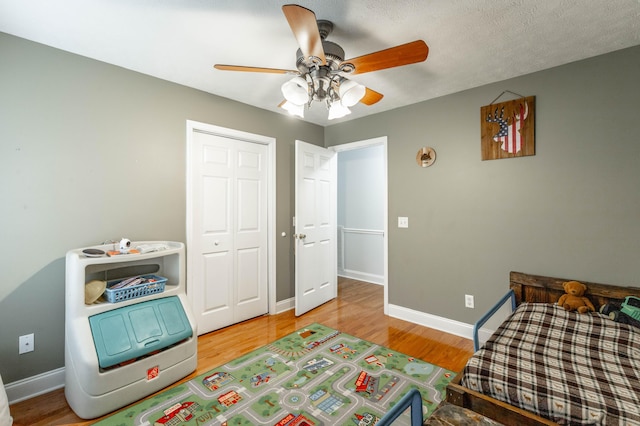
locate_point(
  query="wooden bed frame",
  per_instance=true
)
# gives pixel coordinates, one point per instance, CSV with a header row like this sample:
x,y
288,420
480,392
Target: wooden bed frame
x,y
537,289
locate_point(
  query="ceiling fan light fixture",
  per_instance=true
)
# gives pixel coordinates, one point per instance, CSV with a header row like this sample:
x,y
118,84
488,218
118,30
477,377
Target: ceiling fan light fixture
x,y
321,62
337,110
293,109
351,92
296,91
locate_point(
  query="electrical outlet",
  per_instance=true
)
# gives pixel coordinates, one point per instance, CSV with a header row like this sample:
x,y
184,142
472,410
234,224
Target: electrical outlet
x,y
468,300
25,344
403,222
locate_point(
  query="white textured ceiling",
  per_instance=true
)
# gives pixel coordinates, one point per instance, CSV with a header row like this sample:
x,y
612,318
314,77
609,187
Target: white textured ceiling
x,y
471,42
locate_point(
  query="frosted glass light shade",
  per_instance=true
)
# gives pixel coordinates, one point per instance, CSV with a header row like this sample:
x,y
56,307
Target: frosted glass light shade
x,y
296,91
351,92
338,110
293,109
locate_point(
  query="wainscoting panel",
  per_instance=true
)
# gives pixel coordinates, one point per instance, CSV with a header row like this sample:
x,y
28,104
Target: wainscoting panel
x,y
361,254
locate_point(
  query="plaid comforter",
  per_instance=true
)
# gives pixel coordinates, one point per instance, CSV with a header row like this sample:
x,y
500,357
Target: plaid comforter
x,y
568,367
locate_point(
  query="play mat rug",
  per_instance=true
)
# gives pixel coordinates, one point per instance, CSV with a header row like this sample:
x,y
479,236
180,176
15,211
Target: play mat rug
x,y
314,376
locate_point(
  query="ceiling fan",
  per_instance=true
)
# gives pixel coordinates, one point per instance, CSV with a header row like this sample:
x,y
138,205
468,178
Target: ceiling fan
x,y
321,67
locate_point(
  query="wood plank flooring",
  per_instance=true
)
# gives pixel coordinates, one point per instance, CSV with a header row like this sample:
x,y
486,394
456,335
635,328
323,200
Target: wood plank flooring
x,y
358,310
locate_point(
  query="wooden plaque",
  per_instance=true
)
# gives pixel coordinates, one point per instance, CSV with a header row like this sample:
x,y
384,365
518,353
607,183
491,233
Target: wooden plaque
x,y
507,129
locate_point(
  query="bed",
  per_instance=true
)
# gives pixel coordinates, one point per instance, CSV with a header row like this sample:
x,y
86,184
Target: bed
x,y
547,366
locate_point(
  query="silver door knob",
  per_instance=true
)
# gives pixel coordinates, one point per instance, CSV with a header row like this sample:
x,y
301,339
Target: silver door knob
x,y
300,236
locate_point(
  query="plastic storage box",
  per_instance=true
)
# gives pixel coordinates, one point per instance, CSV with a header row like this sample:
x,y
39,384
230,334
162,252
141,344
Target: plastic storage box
x,y
93,391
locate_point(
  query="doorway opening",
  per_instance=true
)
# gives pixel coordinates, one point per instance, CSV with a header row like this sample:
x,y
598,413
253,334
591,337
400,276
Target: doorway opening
x,y
362,212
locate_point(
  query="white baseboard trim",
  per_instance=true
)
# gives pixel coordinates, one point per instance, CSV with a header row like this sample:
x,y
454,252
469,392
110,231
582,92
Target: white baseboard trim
x,y
285,305
35,385
438,323
361,276
417,317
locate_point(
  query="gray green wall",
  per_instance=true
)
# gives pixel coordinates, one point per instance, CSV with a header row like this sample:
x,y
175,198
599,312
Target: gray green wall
x,y
91,152
572,210
79,139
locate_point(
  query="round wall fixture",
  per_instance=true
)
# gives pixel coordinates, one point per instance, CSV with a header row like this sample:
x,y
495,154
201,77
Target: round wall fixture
x,y
426,156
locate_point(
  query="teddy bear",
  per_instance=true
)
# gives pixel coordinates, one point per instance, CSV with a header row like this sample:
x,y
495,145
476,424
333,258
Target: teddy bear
x,y
574,299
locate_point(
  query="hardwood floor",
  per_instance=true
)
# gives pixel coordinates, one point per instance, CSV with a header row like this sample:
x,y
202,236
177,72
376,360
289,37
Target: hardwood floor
x,y
358,310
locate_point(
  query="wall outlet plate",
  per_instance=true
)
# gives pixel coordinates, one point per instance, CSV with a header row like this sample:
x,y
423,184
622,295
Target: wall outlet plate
x,y
403,222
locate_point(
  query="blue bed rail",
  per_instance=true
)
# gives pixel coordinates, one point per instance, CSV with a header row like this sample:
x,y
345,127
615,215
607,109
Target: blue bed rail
x,y
476,327
411,399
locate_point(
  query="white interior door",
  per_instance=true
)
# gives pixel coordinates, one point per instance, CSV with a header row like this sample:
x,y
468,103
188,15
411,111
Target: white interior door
x,y
315,226
227,252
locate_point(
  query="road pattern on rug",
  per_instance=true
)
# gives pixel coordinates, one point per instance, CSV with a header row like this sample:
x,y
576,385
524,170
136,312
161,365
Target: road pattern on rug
x,y
314,376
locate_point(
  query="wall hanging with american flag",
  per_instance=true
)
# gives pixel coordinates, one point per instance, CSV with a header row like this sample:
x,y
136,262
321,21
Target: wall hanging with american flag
x,y
507,128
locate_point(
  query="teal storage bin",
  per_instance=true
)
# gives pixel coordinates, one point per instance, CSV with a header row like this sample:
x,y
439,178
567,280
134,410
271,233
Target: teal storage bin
x,y
133,331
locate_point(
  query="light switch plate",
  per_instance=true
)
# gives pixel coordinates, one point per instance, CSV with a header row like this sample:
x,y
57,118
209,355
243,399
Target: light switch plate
x,y
468,301
25,344
403,222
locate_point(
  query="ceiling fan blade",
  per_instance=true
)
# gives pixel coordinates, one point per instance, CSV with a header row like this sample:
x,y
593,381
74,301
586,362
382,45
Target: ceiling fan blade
x,y
404,54
371,97
223,67
305,28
